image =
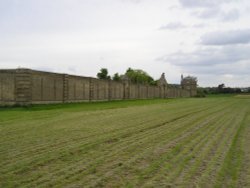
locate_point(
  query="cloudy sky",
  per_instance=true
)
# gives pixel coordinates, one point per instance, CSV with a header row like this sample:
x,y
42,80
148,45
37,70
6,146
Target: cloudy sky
x,y
209,39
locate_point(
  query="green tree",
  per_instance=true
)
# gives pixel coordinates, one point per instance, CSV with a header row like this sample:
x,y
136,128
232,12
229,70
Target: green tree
x,y
116,77
139,76
221,86
103,74
201,92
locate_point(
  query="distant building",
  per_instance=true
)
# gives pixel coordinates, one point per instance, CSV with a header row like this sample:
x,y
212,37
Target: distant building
x,y
189,82
162,81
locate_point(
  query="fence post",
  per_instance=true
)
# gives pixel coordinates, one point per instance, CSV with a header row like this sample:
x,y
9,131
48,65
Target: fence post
x,y
23,90
109,90
126,86
65,88
90,89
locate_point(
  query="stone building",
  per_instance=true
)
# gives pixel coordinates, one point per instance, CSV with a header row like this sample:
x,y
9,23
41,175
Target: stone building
x,y
189,83
162,81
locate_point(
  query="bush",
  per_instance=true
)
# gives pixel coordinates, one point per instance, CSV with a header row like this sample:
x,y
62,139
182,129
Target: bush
x,y
200,93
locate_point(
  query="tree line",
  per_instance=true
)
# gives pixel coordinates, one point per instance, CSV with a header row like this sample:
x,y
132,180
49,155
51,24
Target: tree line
x,y
222,89
137,76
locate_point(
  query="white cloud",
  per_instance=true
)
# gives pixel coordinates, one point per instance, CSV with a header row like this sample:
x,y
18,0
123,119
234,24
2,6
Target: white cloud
x,y
231,15
173,26
241,36
222,10
202,3
208,56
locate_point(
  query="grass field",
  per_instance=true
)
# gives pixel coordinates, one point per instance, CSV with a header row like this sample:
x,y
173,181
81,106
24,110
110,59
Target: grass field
x,y
147,143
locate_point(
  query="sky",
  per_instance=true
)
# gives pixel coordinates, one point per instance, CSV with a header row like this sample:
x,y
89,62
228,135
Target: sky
x,y
208,39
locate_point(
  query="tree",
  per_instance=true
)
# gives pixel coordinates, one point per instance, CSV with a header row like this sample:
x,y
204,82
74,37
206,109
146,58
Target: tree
x,y
103,74
200,92
139,76
221,86
116,77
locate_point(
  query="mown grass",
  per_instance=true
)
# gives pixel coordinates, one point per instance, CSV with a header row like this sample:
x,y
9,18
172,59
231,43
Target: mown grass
x,y
140,143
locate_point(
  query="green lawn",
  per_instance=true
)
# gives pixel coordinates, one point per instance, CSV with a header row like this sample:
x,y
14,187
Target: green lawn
x,y
144,143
